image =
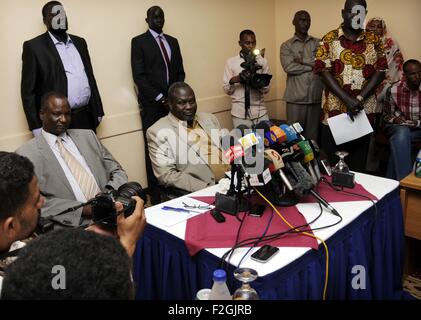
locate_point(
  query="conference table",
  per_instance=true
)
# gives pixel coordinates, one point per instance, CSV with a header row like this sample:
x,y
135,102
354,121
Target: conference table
x,y
366,253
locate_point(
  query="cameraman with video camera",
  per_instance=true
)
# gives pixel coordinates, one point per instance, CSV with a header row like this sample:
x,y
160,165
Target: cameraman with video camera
x,y
20,206
246,80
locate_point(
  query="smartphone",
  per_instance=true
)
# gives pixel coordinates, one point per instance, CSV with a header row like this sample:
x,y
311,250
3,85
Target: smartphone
x,y
265,253
326,167
257,210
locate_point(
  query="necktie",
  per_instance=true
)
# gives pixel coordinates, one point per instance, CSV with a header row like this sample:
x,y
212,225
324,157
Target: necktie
x,y
86,182
165,54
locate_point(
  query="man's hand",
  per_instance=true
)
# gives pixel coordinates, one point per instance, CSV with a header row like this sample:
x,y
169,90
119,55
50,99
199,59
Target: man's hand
x,y
298,60
87,211
354,105
235,79
410,123
130,229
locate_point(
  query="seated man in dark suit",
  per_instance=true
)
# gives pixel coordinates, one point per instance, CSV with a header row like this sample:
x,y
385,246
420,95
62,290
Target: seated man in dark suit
x,y
402,116
57,61
72,166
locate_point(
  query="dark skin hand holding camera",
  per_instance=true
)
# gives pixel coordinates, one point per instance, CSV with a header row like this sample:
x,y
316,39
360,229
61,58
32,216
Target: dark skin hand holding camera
x,y
129,229
247,44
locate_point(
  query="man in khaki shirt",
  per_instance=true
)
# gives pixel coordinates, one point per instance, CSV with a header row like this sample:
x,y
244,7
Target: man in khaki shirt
x,y
303,91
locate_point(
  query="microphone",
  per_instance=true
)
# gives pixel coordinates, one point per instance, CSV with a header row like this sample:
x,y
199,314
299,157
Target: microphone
x,y
271,134
291,135
278,164
305,185
308,158
316,151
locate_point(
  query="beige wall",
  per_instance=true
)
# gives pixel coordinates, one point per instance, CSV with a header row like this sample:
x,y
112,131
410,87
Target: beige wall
x,y
208,34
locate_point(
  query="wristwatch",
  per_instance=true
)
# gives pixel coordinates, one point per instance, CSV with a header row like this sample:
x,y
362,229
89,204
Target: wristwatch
x,y
360,98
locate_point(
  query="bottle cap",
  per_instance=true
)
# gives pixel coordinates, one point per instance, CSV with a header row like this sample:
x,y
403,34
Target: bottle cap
x,y
219,275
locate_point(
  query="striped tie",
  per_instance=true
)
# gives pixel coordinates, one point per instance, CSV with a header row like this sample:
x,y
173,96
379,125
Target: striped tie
x,y
86,182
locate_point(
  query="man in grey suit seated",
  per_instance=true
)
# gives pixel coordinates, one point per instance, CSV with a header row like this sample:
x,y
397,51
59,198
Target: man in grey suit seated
x,y
72,166
184,146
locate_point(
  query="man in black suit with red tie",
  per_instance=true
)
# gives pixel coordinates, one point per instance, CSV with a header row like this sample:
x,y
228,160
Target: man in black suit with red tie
x,y
57,61
156,64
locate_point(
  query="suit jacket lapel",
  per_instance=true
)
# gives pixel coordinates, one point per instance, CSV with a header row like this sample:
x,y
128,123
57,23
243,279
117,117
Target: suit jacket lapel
x,y
51,160
53,49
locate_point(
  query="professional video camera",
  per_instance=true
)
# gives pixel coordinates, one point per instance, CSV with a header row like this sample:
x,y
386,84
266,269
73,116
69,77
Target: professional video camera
x,y
249,75
103,205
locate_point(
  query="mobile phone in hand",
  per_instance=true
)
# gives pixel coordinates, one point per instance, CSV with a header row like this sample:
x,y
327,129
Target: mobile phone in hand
x,y
265,253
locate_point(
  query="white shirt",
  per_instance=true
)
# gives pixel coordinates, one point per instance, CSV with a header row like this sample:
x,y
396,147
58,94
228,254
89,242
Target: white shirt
x,y
167,48
78,89
71,147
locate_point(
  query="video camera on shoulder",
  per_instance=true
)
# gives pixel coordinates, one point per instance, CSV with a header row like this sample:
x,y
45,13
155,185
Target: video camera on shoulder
x,y
104,212
249,75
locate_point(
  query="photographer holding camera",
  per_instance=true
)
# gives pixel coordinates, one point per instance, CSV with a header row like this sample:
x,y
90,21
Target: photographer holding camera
x,y
20,206
72,166
246,80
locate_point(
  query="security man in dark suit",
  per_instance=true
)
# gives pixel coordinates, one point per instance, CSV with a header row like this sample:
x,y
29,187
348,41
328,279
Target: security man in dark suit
x,y
156,64
57,61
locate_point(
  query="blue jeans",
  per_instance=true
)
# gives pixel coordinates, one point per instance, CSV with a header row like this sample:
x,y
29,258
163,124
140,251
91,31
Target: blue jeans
x,y
401,139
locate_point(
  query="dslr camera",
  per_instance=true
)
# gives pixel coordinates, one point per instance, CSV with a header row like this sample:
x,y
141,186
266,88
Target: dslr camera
x,y
104,212
249,75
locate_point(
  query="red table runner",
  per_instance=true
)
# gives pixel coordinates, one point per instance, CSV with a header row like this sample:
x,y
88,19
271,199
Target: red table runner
x,y
203,231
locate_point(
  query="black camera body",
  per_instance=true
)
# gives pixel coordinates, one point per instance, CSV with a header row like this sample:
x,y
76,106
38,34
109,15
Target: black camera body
x,y
249,75
103,206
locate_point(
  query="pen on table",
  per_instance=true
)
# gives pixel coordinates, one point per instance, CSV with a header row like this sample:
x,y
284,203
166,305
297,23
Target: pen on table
x,y
167,208
349,113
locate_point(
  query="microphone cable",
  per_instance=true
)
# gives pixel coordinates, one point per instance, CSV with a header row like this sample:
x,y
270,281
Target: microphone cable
x,y
306,234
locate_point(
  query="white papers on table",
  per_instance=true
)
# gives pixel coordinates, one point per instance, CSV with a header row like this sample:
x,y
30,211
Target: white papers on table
x,y
345,130
167,218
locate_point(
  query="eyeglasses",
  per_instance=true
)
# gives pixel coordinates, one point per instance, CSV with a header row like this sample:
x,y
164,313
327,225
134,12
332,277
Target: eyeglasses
x,y
200,207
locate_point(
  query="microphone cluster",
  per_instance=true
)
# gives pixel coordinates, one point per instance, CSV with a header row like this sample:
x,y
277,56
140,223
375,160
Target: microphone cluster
x,y
276,157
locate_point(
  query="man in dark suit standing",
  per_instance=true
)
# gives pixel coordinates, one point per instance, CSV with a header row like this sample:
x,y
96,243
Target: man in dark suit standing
x,y
156,64
57,61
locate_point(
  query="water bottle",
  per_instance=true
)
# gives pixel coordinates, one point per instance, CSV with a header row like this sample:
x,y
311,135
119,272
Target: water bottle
x,y
219,289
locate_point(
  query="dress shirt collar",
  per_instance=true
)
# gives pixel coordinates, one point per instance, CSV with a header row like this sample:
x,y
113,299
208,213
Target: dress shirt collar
x,y
156,34
52,139
296,38
69,40
174,119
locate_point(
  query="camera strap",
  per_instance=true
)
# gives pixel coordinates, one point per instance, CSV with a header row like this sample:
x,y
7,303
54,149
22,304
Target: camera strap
x,y
9,254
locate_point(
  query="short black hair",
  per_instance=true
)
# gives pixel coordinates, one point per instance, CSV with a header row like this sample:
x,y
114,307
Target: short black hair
x,y
16,173
153,8
408,62
48,6
46,97
246,32
175,86
361,2
94,267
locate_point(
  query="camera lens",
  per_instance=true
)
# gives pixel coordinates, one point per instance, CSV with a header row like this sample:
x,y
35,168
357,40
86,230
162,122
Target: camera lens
x,y
130,189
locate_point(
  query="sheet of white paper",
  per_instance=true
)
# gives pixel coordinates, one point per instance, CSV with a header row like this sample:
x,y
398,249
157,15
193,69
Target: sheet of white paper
x,y
344,129
156,215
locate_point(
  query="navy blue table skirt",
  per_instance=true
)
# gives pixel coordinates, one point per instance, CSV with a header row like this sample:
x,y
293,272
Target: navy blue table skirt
x,y
163,268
